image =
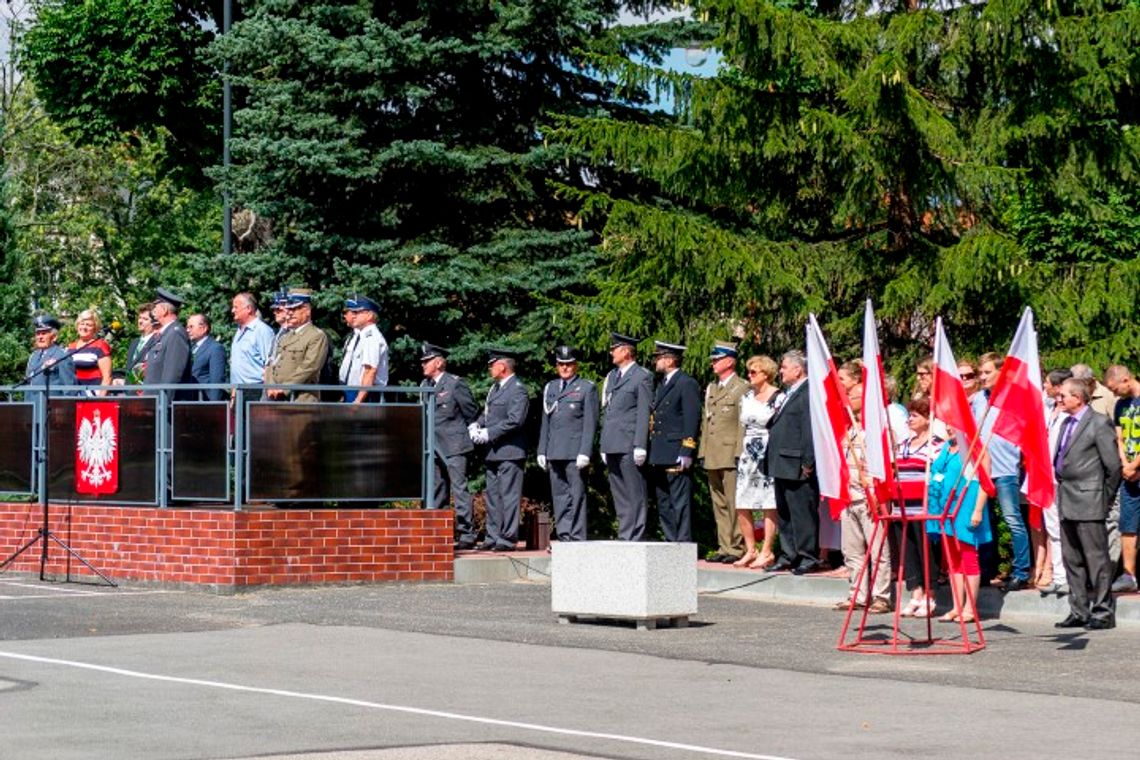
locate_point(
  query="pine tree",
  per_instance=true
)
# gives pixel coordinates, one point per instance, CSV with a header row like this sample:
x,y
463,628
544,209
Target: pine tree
x,y
847,150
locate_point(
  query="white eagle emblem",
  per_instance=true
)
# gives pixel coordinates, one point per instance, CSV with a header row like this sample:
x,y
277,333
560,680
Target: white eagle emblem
x,y
96,448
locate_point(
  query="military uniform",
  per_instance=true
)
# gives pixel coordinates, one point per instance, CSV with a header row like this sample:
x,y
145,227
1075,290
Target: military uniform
x,y
721,443
62,370
675,420
504,423
168,357
626,397
565,440
455,409
300,357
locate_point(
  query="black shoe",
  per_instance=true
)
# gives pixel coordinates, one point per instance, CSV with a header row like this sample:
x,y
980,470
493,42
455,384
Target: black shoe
x,y
464,546
486,546
1016,584
783,563
1100,624
502,548
805,567
718,557
728,559
1072,621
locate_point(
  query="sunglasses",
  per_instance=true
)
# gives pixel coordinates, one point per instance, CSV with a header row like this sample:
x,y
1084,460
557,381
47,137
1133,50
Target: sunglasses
x,y
968,375
753,372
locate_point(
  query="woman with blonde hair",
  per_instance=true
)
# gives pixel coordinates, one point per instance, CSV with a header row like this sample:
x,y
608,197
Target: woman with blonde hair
x,y
754,489
93,358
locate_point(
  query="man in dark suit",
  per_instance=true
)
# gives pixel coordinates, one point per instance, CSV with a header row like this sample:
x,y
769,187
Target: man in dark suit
x,y
207,357
790,462
673,424
565,440
140,346
502,428
1088,469
626,397
455,409
168,360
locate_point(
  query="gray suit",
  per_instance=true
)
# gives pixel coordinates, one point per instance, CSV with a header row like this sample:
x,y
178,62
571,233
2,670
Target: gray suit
x,y
455,409
168,358
1088,474
569,421
504,416
625,427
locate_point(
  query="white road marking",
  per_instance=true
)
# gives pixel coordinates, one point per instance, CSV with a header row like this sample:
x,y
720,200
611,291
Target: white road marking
x,y
393,708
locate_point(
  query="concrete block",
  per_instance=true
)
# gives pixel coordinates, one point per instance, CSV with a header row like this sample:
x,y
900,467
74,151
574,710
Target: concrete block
x,y
623,579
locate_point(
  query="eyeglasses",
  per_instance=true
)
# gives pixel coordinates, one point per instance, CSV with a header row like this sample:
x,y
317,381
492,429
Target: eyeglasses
x,y
968,375
754,372
922,372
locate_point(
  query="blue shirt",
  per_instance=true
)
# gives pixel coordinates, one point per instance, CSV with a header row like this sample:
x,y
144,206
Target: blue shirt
x,y
251,350
944,494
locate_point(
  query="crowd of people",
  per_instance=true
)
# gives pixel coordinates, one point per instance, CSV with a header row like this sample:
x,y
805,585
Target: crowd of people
x,y
751,435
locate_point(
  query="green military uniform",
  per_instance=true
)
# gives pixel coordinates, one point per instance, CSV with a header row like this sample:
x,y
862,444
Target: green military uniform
x,y
301,354
721,443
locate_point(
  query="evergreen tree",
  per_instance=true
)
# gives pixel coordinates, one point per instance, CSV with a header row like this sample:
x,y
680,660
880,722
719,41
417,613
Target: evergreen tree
x,y
848,150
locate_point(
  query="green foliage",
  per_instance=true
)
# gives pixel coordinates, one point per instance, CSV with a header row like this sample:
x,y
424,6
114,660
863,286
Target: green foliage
x,y
115,66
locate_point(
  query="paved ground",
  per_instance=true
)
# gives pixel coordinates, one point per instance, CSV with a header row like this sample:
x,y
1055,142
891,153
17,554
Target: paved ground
x,y
440,671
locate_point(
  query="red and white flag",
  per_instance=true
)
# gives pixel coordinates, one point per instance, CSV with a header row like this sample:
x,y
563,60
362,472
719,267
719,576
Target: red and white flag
x,y
948,402
876,425
96,447
1018,401
830,421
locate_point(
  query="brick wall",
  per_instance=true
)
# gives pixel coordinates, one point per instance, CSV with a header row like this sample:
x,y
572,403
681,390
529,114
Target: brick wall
x,y
230,549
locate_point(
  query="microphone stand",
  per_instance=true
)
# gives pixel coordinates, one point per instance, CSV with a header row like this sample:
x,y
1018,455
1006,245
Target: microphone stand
x,y
45,533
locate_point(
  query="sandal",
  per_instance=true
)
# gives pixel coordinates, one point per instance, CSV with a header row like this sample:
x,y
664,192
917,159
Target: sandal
x,y
911,608
925,608
949,617
746,560
762,562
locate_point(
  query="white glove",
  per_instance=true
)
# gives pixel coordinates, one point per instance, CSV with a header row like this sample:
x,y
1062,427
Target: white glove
x,y
603,457
685,462
542,461
639,457
483,435
471,429
584,461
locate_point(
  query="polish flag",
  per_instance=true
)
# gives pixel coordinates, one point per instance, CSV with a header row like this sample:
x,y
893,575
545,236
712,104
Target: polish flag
x,y
830,421
876,425
1017,400
948,403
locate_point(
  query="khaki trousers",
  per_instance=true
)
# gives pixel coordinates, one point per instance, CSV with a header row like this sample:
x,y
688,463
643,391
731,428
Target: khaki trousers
x,y
857,527
722,489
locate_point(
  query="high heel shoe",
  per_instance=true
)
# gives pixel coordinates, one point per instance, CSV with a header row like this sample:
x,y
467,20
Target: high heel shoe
x,y
746,559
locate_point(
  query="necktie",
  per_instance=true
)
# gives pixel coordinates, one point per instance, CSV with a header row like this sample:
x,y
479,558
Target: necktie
x,y
1063,445
562,389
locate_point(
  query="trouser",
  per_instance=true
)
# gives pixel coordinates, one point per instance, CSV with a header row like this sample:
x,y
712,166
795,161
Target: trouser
x,y
568,493
858,528
1009,499
1053,531
1112,525
1084,546
627,484
722,490
915,563
797,511
504,493
673,489
451,481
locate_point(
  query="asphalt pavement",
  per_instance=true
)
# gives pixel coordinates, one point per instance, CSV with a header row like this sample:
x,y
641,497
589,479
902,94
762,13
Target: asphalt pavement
x,y
397,672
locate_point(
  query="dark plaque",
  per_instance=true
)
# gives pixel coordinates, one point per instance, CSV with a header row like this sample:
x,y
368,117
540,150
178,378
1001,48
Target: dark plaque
x,y
201,434
135,442
335,452
16,420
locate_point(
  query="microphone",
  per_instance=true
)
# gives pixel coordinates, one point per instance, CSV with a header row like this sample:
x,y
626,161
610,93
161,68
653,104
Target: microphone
x,y
111,329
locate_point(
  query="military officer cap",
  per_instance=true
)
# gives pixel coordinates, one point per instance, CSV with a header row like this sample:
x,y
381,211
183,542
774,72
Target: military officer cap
x,y
44,322
431,351
565,355
617,339
280,298
361,303
721,349
298,297
163,295
660,348
494,354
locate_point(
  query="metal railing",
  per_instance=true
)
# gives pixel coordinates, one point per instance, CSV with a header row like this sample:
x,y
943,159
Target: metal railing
x,y
172,446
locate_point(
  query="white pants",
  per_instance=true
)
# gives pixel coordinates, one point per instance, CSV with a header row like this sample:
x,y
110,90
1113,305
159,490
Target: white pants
x,y
1053,530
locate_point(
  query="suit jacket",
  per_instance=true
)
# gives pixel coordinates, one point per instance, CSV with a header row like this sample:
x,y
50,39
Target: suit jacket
x,y
1090,474
789,439
625,409
208,365
675,420
168,360
569,419
721,437
299,359
455,409
137,350
504,416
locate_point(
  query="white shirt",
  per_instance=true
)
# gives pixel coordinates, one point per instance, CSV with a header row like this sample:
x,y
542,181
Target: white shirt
x,y
367,348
